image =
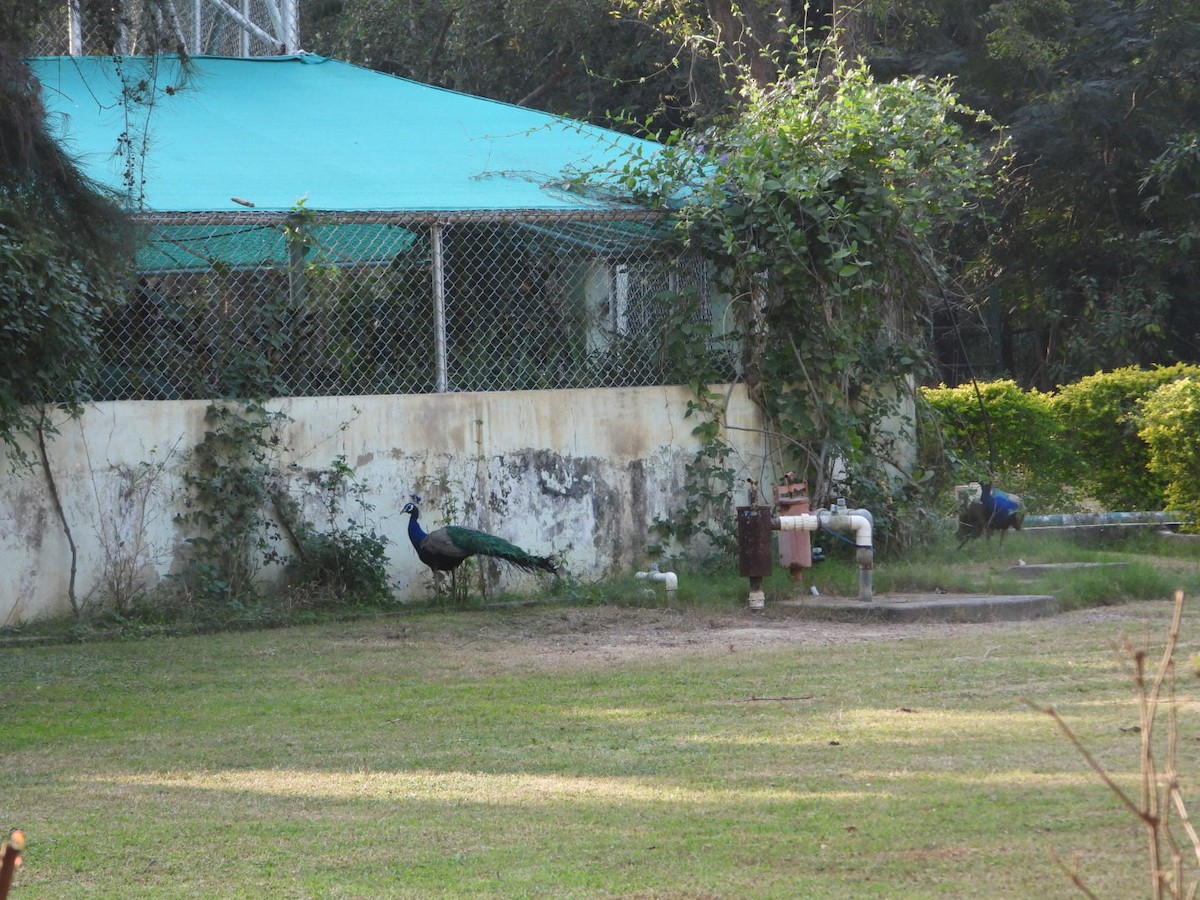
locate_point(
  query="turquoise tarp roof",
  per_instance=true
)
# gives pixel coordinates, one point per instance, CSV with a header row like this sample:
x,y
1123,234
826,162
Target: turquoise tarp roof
x,y
280,130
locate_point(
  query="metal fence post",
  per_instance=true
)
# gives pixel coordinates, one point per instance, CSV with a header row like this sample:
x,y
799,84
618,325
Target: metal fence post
x,y
442,382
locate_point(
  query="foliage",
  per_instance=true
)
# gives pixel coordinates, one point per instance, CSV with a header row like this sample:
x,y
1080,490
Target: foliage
x,y
61,250
65,245
344,556
1089,440
1092,260
708,487
49,305
995,431
41,189
822,209
570,57
1099,416
242,513
234,475
1169,421
688,346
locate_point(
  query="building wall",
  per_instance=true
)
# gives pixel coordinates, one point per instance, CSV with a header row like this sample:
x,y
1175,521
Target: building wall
x,y
581,474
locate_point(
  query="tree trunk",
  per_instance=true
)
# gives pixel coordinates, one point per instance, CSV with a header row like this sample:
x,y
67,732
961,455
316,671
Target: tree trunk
x,y
750,38
851,29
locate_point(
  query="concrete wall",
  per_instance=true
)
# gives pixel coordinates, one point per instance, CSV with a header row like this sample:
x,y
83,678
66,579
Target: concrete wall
x,y
580,474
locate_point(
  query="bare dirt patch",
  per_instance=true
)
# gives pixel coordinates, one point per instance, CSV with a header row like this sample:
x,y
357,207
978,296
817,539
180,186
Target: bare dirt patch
x,y
556,637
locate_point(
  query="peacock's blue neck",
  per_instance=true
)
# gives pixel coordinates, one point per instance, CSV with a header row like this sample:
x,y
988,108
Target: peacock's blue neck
x,y
416,533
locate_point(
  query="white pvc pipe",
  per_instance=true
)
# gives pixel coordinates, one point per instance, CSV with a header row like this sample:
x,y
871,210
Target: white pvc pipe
x,y
75,23
858,521
669,580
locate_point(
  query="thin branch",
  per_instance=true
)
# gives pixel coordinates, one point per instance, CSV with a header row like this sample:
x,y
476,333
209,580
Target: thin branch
x,y
1093,764
44,457
1072,873
1185,819
1155,809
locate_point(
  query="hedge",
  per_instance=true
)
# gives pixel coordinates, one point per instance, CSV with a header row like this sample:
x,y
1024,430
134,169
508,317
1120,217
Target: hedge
x,y
995,431
1099,414
1111,439
1169,424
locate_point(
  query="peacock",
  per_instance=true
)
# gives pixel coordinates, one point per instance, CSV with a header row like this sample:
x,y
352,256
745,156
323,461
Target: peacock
x,y
993,511
447,548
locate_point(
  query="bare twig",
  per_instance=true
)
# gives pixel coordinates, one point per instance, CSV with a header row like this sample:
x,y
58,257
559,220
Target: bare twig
x,y
52,484
1092,762
775,699
1072,872
1158,795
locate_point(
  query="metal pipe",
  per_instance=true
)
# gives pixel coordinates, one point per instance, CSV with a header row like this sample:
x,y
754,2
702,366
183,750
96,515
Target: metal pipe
x,y
441,365
1077,520
243,21
754,549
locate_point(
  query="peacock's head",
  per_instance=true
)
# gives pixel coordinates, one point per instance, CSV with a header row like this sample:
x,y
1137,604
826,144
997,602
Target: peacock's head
x,y
413,506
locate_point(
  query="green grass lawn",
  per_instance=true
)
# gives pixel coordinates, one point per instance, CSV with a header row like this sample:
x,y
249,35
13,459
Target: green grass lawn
x,y
560,751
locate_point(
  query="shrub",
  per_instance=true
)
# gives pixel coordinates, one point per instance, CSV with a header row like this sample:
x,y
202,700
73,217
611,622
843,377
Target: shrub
x,y
1099,416
342,556
996,431
1168,422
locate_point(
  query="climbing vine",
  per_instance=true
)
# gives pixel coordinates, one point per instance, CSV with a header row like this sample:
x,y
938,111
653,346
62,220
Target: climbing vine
x,y
342,552
823,210
688,345
233,475
245,511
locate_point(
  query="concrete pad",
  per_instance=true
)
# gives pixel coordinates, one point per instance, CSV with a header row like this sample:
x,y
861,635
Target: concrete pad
x,y
930,607
1038,569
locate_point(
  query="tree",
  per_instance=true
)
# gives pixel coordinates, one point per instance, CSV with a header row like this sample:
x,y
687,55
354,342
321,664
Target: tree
x,y
65,245
661,64
62,247
824,207
569,57
1092,263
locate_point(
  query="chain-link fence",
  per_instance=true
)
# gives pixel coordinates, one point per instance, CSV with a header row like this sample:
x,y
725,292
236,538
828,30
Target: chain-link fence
x,y
353,304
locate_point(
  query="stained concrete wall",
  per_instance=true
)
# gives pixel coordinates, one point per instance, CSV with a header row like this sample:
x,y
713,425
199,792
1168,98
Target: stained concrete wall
x,y
579,474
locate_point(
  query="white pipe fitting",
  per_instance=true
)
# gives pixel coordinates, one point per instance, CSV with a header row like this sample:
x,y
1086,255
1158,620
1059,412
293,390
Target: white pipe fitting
x,y
859,521
669,580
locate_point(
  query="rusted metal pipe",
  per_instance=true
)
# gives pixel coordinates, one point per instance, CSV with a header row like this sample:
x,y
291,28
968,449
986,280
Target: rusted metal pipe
x,y
755,524
754,549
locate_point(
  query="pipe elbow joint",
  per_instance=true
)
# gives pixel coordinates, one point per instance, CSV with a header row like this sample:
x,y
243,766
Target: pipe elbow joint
x,y
669,580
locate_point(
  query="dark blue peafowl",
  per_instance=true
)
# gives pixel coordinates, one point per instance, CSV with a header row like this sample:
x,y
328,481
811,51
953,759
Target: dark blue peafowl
x,y
993,511
447,548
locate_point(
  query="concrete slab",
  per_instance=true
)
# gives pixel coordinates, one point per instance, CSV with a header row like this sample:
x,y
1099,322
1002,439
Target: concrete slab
x,y
1038,569
929,607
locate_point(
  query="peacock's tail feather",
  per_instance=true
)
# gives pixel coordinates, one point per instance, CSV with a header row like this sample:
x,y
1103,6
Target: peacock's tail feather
x,y
484,544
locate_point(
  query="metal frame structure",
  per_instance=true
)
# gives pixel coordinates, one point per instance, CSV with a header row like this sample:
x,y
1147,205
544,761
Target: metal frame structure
x,y
224,27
